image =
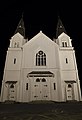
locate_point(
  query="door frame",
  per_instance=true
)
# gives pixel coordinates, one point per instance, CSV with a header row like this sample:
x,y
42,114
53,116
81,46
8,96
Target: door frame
x,y
69,87
41,85
9,84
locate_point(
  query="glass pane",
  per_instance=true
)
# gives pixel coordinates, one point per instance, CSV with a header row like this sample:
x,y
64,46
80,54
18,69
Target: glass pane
x,y
26,86
54,86
12,86
40,52
69,86
37,80
43,80
40,59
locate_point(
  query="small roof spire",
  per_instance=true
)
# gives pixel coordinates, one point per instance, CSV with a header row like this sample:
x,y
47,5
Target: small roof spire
x,y
21,28
60,28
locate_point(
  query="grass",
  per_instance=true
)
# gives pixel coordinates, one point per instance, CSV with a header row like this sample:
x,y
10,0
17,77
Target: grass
x,y
41,111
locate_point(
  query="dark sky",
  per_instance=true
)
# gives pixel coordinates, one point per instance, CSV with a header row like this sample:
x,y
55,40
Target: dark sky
x,y
40,16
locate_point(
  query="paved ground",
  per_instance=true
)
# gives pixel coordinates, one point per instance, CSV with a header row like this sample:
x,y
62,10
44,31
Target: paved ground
x,y
41,111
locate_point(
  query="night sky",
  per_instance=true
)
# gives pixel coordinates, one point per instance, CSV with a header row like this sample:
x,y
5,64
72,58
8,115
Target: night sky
x,y
38,16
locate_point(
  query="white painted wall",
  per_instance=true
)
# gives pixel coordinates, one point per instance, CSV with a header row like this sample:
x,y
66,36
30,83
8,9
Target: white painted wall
x,y
25,56
41,42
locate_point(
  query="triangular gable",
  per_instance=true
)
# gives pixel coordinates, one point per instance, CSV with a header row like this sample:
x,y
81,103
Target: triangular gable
x,y
63,35
40,34
17,35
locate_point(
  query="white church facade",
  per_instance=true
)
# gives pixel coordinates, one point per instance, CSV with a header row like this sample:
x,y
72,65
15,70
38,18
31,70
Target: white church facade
x,y
40,68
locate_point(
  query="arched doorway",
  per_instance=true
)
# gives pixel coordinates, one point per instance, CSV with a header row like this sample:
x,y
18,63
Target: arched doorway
x,y
69,91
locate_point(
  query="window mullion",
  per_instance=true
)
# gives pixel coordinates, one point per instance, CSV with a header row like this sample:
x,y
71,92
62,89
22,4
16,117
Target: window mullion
x,y
40,59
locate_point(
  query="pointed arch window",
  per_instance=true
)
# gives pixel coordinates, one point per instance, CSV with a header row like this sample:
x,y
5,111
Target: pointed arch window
x,y
11,86
40,58
69,86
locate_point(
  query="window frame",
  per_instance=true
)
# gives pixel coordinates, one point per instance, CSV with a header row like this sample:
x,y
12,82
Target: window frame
x,y
54,85
26,86
64,44
66,60
15,60
40,58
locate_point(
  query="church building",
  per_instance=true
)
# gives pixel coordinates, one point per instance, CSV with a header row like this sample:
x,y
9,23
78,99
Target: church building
x,y
40,68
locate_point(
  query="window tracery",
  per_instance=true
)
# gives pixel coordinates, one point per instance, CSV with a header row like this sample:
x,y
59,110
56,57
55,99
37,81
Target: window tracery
x,y
40,58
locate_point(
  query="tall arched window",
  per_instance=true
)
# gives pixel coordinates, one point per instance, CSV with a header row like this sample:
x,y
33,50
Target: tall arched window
x,y
40,58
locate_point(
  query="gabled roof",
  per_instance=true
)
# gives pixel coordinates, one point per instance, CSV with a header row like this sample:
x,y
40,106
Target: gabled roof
x,y
60,28
17,35
38,35
63,34
42,37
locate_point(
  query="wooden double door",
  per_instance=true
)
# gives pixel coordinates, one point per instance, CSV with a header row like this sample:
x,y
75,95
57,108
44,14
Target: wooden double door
x,y
41,89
